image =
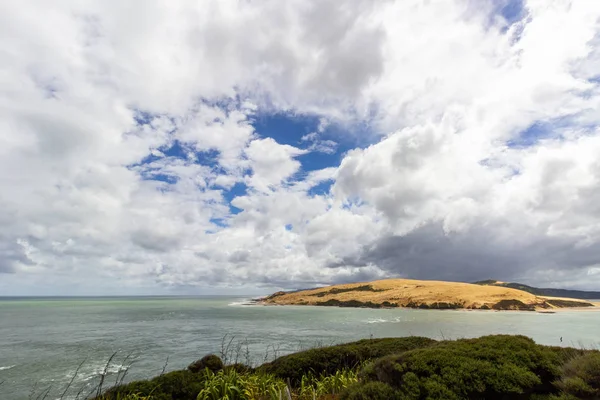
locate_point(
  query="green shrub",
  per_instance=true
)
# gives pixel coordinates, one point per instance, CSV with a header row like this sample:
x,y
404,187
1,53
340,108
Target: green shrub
x,y
369,391
128,397
238,367
490,367
580,377
328,360
210,361
176,385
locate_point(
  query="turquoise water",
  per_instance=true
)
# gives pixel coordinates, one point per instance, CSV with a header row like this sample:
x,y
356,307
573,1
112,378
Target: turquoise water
x,y
42,341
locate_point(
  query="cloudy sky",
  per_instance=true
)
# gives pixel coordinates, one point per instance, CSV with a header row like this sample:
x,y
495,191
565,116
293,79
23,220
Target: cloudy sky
x,y
242,146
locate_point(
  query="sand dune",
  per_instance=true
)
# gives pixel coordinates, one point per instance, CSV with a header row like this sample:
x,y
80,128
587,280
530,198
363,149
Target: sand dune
x,y
422,294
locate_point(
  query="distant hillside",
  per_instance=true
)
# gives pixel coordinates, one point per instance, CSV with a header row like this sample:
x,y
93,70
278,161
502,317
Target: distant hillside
x,y
409,293
573,294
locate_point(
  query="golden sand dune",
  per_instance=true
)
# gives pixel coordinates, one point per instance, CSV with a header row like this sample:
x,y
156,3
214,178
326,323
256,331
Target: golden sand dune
x,y
421,294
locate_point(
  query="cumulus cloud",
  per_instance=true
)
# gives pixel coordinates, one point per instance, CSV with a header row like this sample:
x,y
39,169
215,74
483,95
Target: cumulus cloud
x,y
129,156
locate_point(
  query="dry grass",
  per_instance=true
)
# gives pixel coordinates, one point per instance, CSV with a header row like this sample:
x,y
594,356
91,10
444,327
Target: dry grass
x,y
413,293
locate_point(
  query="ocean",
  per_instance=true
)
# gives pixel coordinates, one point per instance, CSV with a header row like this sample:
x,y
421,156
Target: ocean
x,y
44,340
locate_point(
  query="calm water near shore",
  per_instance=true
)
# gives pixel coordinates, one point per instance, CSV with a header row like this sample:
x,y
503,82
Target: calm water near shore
x,y
42,341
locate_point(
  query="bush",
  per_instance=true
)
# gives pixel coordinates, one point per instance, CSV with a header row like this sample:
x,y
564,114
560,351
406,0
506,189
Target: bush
x,y
369,391
239,368
328,360
210,361
129,397
490,367
513,305
176,385
580,377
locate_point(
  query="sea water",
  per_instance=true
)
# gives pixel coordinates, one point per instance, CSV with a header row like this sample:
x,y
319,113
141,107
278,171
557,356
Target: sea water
x,y
43,341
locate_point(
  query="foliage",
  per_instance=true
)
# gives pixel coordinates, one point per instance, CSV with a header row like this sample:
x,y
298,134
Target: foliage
x,y
580,377
127,397
363,288
441,305
231,385
328,360
176,385
369,391
490,367
355,304
513,304
312,387
210,361
238,367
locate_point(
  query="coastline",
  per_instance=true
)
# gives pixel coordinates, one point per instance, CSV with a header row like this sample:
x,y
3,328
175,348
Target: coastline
x,y
427,295
595,308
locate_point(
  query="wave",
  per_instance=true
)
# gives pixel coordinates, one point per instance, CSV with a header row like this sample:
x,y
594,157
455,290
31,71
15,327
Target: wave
x,y
244,302
95,371
7,367
382,320
377,321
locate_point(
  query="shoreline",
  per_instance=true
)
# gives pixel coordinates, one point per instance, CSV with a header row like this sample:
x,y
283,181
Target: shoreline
x,y
595,308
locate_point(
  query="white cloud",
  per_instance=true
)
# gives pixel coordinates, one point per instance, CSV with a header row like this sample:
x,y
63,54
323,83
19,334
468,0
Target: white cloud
x,y
272,163
316,144
87,194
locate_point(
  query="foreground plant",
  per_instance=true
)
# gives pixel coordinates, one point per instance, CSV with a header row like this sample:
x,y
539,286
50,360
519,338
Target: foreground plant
x,y
231,385
312,387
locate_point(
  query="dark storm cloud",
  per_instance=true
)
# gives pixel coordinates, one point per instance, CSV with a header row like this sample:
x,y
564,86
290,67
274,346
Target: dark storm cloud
x,y
428,253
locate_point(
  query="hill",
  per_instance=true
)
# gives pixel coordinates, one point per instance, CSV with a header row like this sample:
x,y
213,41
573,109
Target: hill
x,y
574,294
422,294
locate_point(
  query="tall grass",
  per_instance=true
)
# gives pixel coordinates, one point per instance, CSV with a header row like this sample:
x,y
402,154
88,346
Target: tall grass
x,y
231,385
312,387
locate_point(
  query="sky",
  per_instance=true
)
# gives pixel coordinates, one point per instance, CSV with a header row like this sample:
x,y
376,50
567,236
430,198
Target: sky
x,y
246,146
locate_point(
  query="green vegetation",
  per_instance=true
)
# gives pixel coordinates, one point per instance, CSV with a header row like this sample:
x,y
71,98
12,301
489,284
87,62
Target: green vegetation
x,y
176,385
411,368
233,385
328,360
486,368
513,305
435,306
355,304
580,377
363,288
568,303
211,362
